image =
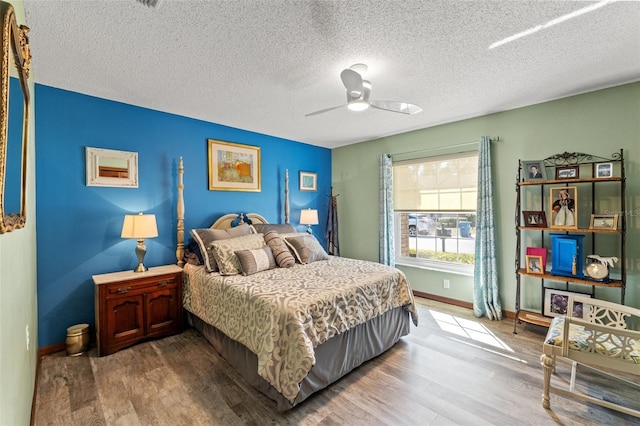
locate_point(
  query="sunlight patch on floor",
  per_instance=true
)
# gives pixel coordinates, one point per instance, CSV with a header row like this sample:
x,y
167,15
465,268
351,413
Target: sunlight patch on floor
x,y
468,328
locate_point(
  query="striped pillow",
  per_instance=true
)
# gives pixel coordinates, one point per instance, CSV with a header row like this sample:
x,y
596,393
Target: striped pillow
x,y
257,260
281,253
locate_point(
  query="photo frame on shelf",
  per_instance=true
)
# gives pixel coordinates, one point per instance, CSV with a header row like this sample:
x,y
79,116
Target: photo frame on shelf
x,y
109,167
567,172
534,218
534,170
539,251
233,166
604,170
308,181
534,264
564,207
557,302
604,221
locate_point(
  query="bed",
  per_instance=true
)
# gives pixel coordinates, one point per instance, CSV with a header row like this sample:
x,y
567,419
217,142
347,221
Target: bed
x,y
290,331
605,337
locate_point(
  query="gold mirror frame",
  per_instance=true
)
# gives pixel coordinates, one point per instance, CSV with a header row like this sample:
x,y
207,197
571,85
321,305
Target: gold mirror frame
x,y
15,45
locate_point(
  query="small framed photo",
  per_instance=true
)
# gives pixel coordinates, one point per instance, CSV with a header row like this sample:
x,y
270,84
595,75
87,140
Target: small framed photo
x,y
108,167
534,264
308,181
534,218
557,303
604,170
604,221
564,207
233,166
534,170
567,172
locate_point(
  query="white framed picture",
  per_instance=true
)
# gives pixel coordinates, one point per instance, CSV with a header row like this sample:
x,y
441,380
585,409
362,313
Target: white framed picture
x,y
557,303
604,170
108,167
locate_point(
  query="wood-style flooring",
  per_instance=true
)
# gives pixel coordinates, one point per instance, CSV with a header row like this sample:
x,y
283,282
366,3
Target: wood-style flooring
x,y
452,369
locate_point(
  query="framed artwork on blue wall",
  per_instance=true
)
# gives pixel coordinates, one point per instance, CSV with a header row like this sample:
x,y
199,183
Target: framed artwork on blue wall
x,y
308,181
233,166
108,167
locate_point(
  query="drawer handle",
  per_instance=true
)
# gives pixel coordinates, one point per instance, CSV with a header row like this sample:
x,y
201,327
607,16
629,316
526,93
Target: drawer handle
x,y
163,283
124,290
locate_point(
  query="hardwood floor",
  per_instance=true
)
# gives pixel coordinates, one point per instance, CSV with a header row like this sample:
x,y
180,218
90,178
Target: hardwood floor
x,y
452,369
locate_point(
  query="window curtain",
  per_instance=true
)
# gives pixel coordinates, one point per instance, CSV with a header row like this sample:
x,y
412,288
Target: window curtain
x,y
387,246
486,297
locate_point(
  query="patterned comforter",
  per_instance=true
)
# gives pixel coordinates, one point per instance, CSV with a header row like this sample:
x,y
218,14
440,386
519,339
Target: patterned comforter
x,y
282,314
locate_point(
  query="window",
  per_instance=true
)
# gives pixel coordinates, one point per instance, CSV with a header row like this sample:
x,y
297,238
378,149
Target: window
x,y
435,211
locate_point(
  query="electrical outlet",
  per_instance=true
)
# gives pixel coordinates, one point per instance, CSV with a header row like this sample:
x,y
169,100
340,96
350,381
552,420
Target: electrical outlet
x,y
445,283
26,332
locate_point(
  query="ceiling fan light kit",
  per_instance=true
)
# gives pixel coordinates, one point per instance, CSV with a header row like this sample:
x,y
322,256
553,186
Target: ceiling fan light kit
x,y
359,91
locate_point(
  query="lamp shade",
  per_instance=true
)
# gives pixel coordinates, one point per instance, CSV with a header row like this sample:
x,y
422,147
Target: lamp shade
x,y
139,226
309,217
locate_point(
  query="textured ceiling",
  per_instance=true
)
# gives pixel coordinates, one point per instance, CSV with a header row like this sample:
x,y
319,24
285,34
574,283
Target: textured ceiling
x,y
261,65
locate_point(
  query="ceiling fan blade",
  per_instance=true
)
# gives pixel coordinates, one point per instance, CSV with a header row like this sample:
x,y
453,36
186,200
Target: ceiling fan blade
x,y
323,110
353,82
395,106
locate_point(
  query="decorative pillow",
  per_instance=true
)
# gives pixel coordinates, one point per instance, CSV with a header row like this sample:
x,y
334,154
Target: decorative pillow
x,y
281,228
224,252
281,253
306,248
205,236
192,253
253,261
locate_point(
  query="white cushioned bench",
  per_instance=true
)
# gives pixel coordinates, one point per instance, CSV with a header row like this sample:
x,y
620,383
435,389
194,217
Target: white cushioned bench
x,y
606,336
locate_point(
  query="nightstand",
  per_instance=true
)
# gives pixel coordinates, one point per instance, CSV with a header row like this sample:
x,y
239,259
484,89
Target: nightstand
x,y
133,306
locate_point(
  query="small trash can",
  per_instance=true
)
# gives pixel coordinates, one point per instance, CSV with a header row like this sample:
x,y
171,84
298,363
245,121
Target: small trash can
x,y
77,339
465,229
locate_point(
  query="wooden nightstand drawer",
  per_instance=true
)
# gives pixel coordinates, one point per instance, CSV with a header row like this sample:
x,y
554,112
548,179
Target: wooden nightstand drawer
x,y
132,306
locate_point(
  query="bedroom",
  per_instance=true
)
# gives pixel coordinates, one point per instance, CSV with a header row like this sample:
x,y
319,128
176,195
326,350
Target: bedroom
x,y
66,211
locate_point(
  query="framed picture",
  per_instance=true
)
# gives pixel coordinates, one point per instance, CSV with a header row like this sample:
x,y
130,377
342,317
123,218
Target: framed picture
x,y
534,264
308,181
604,221
534,170
107,167
557,302
564,207
604,170
567,172
539,252
233,167
535,219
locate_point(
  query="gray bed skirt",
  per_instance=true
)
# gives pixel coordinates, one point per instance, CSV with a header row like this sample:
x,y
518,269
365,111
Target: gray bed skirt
x,y
334,358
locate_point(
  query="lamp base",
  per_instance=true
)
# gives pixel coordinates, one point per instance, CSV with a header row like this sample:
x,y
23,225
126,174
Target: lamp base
x,y
141,250
141,268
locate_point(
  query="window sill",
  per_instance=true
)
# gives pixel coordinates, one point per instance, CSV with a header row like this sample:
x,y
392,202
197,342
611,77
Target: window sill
x,y
458,269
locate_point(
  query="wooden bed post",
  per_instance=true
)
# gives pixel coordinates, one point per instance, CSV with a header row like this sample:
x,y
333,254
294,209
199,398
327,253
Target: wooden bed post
x,y
180,211
286,196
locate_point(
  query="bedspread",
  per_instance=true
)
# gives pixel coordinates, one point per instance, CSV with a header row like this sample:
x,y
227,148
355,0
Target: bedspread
x,y
282,314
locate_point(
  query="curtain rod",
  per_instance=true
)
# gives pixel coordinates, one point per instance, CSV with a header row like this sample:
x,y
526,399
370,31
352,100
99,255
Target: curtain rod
x,y
496,139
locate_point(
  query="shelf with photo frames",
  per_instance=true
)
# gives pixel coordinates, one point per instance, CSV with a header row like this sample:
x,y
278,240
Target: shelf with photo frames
x,y
568,197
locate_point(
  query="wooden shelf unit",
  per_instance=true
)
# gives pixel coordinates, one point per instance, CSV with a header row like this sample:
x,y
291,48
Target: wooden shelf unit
x,y
583,162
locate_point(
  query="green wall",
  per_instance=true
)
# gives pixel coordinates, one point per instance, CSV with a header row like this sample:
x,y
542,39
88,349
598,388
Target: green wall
x,y
18,297
598,123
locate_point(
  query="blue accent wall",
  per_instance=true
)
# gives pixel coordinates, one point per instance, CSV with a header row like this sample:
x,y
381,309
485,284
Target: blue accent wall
x,y
78,227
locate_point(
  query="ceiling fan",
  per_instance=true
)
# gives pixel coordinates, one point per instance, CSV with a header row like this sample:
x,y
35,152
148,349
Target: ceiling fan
x,y
358,92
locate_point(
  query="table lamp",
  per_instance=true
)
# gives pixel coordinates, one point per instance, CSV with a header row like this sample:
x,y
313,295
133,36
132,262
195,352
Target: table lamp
x,y
140,226
309,217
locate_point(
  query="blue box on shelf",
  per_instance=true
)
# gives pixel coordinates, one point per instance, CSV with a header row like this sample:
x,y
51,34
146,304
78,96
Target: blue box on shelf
x,y
566,255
